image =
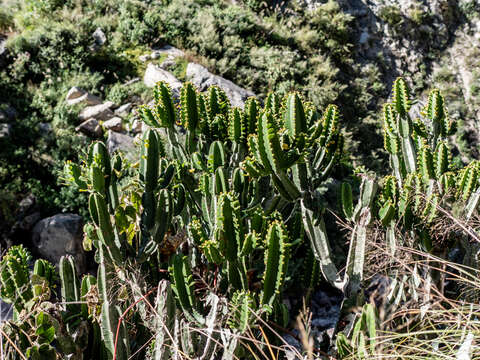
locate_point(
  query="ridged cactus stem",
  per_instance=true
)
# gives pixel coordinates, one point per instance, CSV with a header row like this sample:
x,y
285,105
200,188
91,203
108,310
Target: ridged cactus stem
x,y
87,282
276,262
300,176
409,154
106,233
237,274
391,239
472,204
183,287
189,114
69,284
164,321
211,336
114,332
177,149
356,254
44,274
397,168
104,274
316,232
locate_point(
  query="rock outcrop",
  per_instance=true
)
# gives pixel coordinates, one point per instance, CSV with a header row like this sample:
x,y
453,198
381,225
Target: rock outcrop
x,y
154,74
117,141
98,112
196,73
202,78
114,124
90,127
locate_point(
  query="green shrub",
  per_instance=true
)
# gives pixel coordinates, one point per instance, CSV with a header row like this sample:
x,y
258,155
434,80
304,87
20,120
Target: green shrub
x,y
46,6
6,19
391,14
121,93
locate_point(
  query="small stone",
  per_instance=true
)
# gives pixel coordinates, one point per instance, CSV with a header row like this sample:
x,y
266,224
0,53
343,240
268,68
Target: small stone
x,y
167,64
75,92
114,124
99,37
117,141
132,81
99,112
123,110
45,129
144,58
364,36
169,50
27,203
90,127
77,95
137,126
5,131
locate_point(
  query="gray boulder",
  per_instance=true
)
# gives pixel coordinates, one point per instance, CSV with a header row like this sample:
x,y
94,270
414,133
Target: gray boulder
x,y
90,127
154,74
99,112
60,235
114,124
123,110
117,141
202,78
